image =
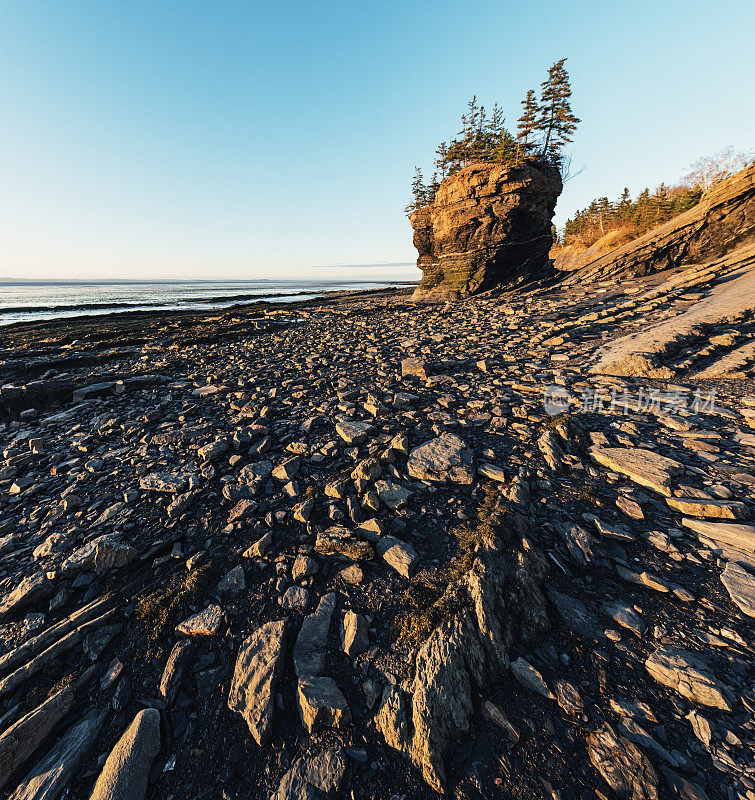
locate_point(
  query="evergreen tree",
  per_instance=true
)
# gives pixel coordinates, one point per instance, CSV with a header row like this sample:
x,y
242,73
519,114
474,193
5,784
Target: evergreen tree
x,y
419,192
441,162
505,150
526,124
555,118
433,188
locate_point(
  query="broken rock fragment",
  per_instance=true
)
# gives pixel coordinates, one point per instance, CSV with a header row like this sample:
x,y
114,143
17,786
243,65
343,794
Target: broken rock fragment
x,y
255,678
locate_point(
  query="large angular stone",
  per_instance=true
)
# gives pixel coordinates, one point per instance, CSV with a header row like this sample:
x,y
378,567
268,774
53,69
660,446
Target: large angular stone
x,y
31,590
204,623
398,554
310,650
446,459
19,743
740,584
310,779
688,674
255,678
321,704
126,771
708,509
50,777
624,767
353,432
448,665
735,534
101,554
644,467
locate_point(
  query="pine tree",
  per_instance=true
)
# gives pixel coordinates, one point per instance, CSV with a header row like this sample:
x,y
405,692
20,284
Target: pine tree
x,y
433,188
506,149
525,128
555,118
441,162
419,192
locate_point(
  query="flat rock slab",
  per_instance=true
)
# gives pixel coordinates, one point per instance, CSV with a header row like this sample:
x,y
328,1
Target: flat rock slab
x,y
446,459
688,674
30,590
740,584
576,616
255,678
126,771
641,466
50,777
205,623
624,767
19,743
353,432
708,509
731,533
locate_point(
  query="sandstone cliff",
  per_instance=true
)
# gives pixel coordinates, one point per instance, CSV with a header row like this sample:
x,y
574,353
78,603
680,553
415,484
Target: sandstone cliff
x,y
489,225
720,222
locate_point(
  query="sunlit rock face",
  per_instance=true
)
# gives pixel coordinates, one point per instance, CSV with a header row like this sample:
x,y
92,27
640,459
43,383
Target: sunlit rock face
x,y
488,226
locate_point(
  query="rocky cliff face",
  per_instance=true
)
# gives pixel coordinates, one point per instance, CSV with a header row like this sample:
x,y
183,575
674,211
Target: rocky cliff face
x,y
721,222
489,225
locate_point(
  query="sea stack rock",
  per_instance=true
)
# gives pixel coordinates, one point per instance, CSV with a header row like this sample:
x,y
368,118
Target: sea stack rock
x,y
489,225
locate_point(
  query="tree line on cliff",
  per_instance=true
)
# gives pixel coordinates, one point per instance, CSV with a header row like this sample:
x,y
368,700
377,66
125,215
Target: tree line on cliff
x,y
544,128
628,218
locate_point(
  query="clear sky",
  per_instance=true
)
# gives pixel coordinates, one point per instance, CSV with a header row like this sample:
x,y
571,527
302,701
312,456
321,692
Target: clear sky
x,y
212,139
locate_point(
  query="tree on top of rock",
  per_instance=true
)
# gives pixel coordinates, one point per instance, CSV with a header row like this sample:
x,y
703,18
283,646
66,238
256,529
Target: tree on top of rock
x,y
555,120
526,126
420,193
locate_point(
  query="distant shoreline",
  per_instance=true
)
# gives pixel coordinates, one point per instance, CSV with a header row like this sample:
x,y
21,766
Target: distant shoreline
x,y
298,300
73,311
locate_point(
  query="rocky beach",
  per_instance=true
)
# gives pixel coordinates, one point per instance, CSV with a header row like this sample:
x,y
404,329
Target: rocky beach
x,y
364,547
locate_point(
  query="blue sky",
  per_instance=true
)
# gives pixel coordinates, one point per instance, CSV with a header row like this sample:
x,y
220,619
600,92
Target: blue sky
x,y
245,139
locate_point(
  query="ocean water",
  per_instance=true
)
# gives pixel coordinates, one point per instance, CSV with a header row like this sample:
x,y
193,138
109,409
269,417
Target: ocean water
x,y
39,300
